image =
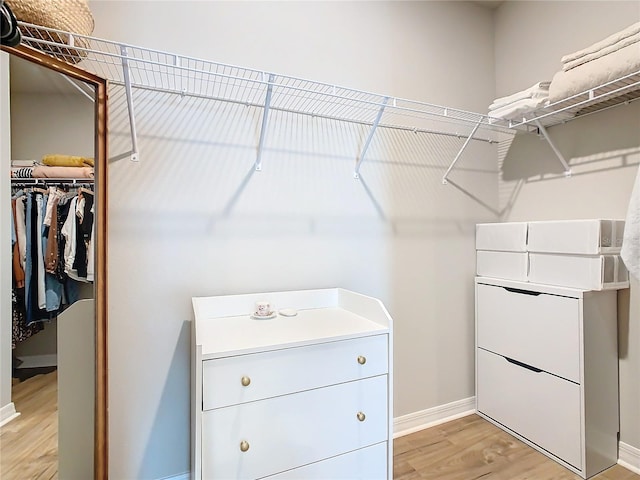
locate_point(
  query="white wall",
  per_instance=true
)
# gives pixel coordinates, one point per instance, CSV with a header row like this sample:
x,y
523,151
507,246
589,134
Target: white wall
x,y
192,219
603,149
5,235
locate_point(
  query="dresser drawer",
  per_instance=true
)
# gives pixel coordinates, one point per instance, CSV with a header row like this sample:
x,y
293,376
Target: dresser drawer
x,y
368,463
289,370
290,431
541,407
537,329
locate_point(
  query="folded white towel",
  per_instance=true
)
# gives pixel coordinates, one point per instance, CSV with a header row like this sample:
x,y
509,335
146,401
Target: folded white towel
x,y
602,52
517,110
630,252
610,40
605,69
538,90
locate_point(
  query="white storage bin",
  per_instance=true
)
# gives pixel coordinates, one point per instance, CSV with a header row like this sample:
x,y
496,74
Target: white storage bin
x,y
578,237
507,265
508,236
589,272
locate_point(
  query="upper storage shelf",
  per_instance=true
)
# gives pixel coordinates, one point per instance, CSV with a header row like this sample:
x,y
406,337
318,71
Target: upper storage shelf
x,y
616,92
181,75
171,73
136,67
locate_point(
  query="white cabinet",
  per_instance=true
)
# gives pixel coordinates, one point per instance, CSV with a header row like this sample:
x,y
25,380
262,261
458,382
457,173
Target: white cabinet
x,y
307,396
547,369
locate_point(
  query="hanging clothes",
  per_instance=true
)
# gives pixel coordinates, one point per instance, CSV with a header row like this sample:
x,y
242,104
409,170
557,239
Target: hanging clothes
x,y
52,252
20,330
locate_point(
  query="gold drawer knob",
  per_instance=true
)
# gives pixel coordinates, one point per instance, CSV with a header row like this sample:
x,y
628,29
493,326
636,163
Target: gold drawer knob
x,y
245,381
361,416
244,446
362,360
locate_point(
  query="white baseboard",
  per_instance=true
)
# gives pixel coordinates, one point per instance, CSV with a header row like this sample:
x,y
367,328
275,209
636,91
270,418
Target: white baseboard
x,y
629,457
38,361
180,476
431,417
8,413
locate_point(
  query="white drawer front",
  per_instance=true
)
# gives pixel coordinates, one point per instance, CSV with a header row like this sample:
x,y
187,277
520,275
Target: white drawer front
x,y
368,463
293,430
289,370
540,330
541,407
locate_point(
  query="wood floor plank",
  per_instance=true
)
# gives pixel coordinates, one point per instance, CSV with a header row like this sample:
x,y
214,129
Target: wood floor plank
x,y
29,443
470,448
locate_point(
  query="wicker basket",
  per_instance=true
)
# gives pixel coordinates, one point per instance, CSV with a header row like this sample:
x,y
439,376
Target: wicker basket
x,y
71,16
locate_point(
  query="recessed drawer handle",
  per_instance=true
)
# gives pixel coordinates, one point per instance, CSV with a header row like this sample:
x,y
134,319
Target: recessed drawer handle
x,y
244,446
523,365
362,360
524,292
361,416
245,381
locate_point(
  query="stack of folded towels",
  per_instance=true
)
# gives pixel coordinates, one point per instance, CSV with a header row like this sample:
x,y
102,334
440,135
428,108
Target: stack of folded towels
x,y
516,106
611,58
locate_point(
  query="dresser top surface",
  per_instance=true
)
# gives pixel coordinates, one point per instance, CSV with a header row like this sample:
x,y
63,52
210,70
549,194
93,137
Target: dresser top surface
x,y
242,334
223,325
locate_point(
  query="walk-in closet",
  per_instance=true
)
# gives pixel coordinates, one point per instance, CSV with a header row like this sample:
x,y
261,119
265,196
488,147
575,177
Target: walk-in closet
x,y
353,239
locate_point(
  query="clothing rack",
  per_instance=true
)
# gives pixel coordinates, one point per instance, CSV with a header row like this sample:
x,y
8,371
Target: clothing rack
x,y
135,67
34,182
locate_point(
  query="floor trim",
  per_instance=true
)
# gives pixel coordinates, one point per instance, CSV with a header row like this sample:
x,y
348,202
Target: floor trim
x,y
414,422
180,476
8,413
629,457
38,361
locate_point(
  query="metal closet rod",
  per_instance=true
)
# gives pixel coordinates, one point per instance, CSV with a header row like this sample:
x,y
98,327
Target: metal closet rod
x,y
30,182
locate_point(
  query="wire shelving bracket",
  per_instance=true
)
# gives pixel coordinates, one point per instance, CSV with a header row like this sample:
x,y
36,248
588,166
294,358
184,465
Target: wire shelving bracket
x,y
129,93
265,119
376,122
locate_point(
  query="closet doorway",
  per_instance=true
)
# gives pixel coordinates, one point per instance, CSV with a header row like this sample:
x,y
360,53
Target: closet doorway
x,y
73,420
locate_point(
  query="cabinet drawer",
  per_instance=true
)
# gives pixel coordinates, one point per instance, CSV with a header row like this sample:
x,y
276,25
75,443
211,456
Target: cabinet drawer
x,y
541,407
537,329
289,370
368,463
290,431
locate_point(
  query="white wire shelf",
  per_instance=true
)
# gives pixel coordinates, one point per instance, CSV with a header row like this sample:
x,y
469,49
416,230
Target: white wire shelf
x,y
620,91
187,76
137,67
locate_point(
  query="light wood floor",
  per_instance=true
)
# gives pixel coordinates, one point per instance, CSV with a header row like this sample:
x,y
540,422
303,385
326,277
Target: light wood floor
x,y
471,448
29,443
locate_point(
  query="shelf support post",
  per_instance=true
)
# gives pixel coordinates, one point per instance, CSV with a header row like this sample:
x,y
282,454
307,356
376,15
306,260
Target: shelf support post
x,y
376,122
265,119
132,114
462,149
567,168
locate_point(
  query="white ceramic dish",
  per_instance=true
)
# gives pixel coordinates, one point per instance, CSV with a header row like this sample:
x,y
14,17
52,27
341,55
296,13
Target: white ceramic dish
x,y
271,315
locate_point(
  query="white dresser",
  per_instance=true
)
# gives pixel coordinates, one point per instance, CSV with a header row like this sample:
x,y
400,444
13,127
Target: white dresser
x,y
307,396
547,369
